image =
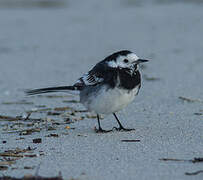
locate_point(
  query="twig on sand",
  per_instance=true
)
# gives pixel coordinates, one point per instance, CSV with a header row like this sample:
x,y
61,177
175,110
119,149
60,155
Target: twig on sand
x,y
30,177
195,160
130,140
147,78
189,99
194,173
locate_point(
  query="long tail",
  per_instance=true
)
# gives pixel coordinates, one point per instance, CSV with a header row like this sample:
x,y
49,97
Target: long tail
x,y
51,89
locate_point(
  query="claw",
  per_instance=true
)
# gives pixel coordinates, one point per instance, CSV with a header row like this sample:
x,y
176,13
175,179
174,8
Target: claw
x,y
100,130
122,129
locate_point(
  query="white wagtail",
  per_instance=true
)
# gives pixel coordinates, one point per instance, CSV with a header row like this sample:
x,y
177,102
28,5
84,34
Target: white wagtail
x,y
108,87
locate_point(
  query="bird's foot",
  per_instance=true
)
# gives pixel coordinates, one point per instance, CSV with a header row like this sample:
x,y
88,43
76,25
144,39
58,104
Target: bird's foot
x,y
100,130
123,129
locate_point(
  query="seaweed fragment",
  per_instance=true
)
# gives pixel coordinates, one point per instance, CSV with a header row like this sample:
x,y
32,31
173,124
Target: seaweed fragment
x,y
194,160
130,140
193,173
23,102
52,135
37,140
147,78
189,99
30,177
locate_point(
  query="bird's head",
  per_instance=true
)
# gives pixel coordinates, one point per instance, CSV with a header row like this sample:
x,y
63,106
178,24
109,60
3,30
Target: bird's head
x,y
124,59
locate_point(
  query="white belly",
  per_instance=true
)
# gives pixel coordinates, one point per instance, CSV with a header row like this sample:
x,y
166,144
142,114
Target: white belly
x,y
107,100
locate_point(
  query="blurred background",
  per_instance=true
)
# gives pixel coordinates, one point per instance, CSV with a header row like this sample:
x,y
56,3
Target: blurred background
x,y
53,42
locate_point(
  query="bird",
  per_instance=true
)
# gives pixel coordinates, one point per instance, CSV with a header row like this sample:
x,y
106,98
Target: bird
x,y
108,87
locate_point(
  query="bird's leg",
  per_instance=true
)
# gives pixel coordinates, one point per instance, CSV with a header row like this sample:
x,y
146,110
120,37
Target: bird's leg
x,y
121,128
100,130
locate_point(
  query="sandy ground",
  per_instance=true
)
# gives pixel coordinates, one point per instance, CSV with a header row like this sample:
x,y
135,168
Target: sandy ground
x,y
47,46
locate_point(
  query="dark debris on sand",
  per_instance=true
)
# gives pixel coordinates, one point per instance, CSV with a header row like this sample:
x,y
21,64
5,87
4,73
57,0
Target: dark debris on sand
x,y
31,178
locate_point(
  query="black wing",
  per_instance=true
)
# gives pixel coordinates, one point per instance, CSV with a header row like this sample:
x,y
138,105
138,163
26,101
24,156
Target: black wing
x,y
89,79
100,73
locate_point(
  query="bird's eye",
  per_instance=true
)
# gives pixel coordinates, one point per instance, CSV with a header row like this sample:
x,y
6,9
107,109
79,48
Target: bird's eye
x,y
125,61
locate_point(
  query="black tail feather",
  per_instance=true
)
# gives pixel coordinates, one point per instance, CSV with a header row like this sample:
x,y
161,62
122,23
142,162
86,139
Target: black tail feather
x,y
50,89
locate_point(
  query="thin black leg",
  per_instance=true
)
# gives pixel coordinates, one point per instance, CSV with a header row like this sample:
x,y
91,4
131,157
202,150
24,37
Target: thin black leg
x,y
100,130
99,122
120,125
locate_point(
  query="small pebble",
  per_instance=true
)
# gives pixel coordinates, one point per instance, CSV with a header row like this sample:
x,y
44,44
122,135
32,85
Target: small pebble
x,y
37,140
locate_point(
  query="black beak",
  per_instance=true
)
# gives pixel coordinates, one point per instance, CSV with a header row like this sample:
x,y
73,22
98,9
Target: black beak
x,y
141,61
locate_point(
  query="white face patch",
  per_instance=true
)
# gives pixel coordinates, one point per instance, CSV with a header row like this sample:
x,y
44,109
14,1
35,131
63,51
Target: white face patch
x,y
130,57
119,62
